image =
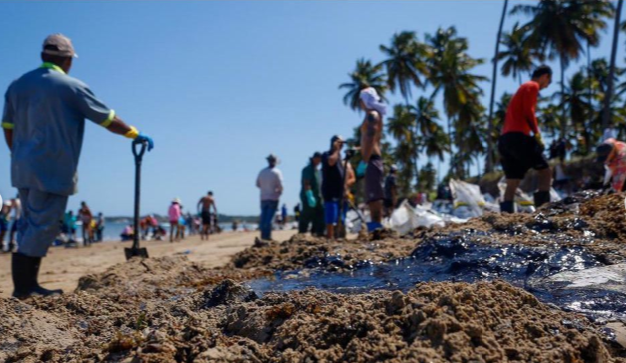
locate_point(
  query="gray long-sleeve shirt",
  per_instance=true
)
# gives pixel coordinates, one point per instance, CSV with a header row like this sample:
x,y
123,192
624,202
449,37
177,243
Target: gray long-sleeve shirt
x,y
47,110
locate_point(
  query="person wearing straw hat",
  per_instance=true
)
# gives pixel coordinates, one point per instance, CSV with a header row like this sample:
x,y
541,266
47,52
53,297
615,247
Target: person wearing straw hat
x,y
44,123
270,183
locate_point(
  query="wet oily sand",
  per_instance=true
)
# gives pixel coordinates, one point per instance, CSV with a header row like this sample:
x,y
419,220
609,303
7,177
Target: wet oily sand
x,y
586,220
310,252
607,214
155,320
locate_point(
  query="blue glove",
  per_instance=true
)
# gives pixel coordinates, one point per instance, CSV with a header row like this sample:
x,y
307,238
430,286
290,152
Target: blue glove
x,y
143,137
311,198
360,170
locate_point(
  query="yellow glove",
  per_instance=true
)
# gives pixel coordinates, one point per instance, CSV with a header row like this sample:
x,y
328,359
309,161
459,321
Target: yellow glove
x,y
132,134
540,140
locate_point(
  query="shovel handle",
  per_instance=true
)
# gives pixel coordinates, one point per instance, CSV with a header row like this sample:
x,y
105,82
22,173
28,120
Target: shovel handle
x,y
138,152
142,150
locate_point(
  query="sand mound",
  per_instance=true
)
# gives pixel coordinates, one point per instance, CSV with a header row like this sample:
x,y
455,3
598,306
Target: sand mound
x,y
29,332
607,214
434,322
309,252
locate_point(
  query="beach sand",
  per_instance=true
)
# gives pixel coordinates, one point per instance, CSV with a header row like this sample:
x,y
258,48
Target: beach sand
x,y
176,307
64,266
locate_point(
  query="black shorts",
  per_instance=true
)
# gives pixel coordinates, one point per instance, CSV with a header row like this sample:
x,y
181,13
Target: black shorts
x,y
374,179
206,218
519,153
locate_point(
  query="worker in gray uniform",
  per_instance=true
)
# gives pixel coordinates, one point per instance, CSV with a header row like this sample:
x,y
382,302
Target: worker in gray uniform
x,y
44,123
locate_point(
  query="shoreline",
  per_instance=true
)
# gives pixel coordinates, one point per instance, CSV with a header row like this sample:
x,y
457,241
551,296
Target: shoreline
x,y
62,268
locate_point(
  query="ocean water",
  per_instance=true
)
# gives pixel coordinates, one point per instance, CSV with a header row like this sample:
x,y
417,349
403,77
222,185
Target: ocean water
x,y
113,230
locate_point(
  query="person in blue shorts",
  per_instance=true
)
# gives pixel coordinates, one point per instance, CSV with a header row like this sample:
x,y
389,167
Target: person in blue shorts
x,y
333,186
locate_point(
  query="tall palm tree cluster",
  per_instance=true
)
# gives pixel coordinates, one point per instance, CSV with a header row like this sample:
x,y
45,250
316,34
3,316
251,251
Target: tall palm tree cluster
x,y
438,67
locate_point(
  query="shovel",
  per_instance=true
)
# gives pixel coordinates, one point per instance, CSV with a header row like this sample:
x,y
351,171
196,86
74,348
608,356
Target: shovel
x,y
135,250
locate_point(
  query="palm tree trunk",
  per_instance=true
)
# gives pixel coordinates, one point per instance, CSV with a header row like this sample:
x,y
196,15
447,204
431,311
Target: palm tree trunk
x,y
586,129
490,162
414,140
563,111
416,170
450,133
609,93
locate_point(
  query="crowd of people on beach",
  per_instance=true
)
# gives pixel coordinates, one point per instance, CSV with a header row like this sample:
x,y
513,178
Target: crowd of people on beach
x,y
325,195
92,227
44,170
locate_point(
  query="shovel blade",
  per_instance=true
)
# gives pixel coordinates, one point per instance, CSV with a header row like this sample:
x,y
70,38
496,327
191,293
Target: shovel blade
x,y
135,252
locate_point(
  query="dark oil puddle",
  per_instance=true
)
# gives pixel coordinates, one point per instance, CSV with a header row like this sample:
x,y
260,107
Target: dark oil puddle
x,y
463,259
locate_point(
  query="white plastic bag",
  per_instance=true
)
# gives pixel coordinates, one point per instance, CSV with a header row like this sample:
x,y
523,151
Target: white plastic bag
x,y
468,200
401,219
554,195
406,218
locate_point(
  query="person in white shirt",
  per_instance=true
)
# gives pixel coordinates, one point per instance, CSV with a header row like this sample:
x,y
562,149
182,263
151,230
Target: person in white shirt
x,y
270,182
16,207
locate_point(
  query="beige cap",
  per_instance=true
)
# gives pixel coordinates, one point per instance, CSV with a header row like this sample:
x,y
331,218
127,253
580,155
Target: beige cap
x,y
59,44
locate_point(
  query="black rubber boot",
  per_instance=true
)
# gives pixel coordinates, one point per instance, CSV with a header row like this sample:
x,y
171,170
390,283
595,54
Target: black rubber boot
x,y
25,270
507,207
541,198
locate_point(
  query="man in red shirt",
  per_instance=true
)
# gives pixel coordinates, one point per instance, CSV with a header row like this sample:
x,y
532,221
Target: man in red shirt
x,y
519,151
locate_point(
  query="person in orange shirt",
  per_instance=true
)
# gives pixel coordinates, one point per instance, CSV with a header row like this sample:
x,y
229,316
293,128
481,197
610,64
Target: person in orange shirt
x,y
519,151
613,154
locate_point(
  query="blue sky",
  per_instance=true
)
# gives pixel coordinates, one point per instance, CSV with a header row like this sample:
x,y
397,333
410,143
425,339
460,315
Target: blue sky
x,y
219,85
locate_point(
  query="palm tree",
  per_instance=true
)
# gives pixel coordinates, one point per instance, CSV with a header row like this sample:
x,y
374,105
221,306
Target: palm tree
x,y
550,119
427,177
449,71
449,68
609,95
365,75
426,116
437,143
599,72
470,137
518,56
402,154
489,165
434,140
404,63
400,124
401,127
498,122
560,28
578,107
